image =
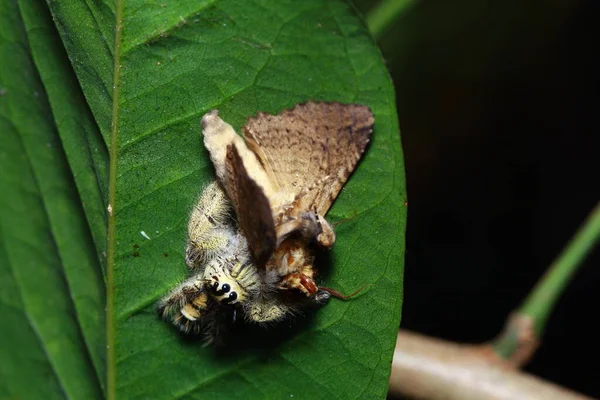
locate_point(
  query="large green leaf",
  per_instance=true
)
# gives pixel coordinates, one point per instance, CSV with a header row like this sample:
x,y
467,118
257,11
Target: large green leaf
x,y
84,147
52,292
147,88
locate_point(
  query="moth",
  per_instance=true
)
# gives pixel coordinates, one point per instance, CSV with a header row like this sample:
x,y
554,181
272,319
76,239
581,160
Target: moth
x,y
279,180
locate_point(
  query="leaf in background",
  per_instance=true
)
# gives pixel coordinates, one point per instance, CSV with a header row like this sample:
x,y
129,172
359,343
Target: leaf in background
x,y
87,33
84,146
87,155
175,61
52,294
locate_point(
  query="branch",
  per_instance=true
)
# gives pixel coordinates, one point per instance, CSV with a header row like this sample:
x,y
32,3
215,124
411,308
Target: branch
x,y
384,13
431,369
524,328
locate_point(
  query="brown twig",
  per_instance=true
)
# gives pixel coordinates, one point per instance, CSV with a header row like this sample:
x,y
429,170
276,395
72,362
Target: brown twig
x,y
431,369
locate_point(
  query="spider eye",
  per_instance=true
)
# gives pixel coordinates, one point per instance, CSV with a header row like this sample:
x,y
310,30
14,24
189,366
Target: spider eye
x,y
226,288
230,299
215,285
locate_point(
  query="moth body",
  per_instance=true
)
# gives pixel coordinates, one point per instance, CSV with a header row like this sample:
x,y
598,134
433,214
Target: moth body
x,y
283,176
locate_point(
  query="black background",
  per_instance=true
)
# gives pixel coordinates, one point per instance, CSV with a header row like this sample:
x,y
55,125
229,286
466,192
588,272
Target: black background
x,y
498,107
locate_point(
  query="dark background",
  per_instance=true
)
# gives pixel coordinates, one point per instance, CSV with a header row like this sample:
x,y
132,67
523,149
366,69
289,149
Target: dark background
x,y
498,107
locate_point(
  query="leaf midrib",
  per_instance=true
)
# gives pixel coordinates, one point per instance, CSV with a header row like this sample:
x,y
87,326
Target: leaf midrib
x,y
112,180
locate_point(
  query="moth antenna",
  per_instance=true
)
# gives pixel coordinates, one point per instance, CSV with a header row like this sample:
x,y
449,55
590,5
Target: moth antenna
x,y
340,296
344,220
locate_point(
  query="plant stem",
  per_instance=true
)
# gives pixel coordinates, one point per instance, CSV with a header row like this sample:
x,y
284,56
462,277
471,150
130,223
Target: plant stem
x,y
434,369
384,13
540,302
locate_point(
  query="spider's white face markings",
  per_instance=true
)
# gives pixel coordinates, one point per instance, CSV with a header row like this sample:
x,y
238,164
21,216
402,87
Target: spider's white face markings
x,y
231,281
224,288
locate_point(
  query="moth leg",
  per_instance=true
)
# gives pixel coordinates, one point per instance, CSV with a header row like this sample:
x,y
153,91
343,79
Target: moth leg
x,y
208,229
301,280
306,227
309,226
185,305
326,238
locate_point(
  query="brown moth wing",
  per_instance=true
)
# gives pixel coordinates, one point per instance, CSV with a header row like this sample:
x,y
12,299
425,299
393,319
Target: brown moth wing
x,y
251,206
311,149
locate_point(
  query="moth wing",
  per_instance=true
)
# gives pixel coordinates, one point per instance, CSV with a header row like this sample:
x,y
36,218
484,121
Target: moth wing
x,y
251,206
311,149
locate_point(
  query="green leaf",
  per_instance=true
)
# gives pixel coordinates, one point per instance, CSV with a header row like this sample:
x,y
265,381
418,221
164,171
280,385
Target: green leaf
x,y
87,155
147,88
85,149
52,292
